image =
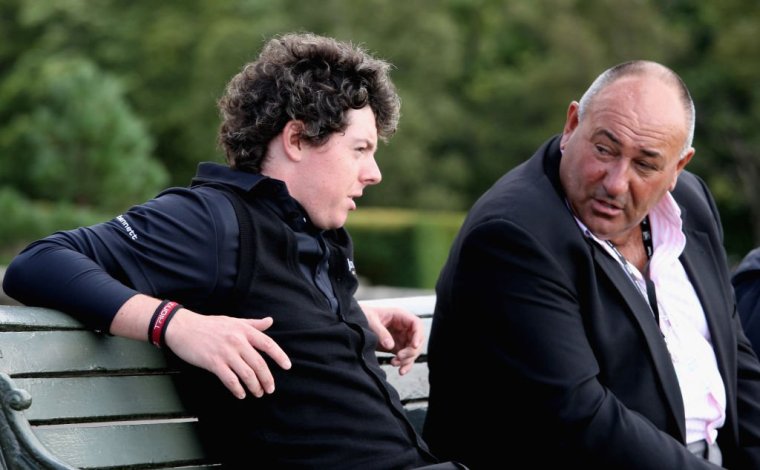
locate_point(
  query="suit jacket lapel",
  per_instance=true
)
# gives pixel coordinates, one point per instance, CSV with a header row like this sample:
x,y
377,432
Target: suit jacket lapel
x,y
639,308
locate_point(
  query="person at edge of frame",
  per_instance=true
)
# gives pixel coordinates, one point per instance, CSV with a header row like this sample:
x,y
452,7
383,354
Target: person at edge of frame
x,y
746,282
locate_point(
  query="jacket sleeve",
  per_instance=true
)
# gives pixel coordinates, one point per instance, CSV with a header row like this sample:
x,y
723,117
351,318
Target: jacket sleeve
x,y
168,247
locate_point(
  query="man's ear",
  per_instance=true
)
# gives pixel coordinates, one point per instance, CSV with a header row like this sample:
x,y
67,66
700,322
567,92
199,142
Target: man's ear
x,y
571,123
682,162
291,140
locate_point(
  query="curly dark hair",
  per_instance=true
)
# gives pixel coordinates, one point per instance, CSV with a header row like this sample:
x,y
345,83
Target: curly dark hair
x,y
305,77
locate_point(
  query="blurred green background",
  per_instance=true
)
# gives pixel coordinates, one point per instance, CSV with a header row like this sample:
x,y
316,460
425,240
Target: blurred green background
x,y
104,103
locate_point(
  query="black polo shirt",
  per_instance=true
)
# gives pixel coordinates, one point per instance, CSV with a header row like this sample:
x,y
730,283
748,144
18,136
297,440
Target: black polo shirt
x,y
334,408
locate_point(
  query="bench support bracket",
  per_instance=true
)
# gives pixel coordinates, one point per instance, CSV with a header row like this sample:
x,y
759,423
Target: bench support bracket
x,y
19,447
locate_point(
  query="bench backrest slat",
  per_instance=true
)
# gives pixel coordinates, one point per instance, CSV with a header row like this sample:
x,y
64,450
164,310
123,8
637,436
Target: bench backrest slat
x,y
123,445
67,352
15,317
413,386
101,399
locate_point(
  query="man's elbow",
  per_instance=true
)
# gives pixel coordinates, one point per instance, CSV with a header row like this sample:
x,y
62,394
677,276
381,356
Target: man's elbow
x,y
18,280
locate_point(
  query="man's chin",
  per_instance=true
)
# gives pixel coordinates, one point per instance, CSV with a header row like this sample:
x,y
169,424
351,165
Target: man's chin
x,y
603,231
334,223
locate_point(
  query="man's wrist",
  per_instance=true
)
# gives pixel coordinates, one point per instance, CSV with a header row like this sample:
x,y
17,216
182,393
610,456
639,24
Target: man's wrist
x,y
159,321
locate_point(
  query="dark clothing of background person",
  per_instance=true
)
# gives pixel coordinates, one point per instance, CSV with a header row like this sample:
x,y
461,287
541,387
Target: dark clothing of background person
x,y
746,281
333,409
541,327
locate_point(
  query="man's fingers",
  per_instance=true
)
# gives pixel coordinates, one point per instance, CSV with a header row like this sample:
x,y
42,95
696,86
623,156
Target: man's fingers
x,y
251,369
404,359
386,340
404,365
384,337
230,380
246,365
233,349
419,337
268,346
262,324
255,376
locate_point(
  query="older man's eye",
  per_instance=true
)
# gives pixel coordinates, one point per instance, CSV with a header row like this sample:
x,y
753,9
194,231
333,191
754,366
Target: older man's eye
x,y
646,166
602,149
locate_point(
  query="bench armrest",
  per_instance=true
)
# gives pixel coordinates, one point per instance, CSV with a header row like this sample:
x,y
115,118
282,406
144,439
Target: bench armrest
x,y
19,447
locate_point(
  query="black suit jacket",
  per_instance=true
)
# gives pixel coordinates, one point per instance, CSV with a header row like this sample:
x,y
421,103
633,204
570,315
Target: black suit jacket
x,y
542,329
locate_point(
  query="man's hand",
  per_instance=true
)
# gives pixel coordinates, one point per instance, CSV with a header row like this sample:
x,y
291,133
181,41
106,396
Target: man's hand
x,y
399,331
230,348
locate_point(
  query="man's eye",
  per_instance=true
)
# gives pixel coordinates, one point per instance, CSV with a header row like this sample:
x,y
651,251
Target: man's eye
x,y
646,166
602,149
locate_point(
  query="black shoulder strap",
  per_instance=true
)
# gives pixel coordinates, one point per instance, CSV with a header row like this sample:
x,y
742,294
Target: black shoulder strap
x,y
246,252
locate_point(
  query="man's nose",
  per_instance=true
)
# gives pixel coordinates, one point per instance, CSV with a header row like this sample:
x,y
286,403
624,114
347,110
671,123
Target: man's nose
x,y
616,178
371,173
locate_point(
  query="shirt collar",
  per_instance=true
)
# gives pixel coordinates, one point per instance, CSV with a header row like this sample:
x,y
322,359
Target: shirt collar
x,y
668,239
667,232
278,197
209,172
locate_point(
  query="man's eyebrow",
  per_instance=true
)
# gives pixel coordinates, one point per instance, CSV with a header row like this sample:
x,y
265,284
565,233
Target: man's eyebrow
x,y
365,140
616,141
650,153
609,135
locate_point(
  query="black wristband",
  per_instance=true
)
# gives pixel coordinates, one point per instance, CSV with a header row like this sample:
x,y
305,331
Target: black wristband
x,y
154,318
161,317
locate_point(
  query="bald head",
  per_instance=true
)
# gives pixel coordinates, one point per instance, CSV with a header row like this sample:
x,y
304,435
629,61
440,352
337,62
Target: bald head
x,y
625,154
644,69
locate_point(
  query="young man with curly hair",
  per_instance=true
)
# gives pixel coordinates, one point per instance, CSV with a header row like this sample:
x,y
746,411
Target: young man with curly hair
x,y
300,127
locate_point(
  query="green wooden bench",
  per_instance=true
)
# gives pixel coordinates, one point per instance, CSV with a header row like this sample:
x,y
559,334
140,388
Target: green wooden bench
x,y
72,398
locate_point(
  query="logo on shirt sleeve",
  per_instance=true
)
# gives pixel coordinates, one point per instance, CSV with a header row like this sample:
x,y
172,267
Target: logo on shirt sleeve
x,y
351,266
126,226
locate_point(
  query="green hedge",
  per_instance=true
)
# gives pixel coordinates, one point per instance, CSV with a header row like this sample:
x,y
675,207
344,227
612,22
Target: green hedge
x,y
400,247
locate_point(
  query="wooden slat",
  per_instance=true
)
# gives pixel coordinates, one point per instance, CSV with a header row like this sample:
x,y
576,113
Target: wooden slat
x,y
411,386
14,317
100,398
123,445
70,352
103,398
422,305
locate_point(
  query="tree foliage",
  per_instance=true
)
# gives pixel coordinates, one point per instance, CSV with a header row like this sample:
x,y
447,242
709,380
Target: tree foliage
x,y
67,120
131,87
